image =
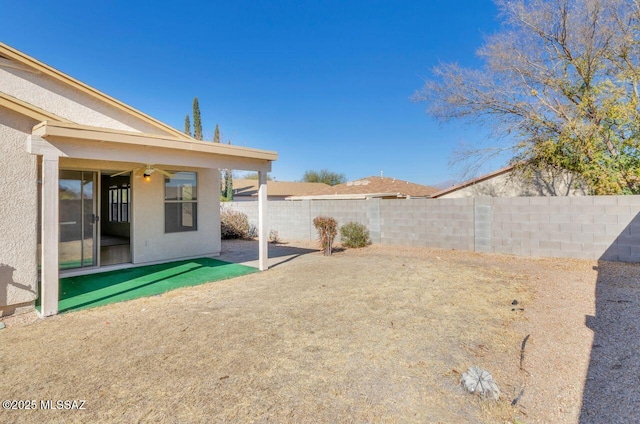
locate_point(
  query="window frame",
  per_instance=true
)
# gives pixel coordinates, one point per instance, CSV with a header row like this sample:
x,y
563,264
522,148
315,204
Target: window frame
x,y
117,206
181,199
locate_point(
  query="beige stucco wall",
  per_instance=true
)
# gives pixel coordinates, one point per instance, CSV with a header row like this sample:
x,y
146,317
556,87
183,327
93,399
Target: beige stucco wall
x,y
511,184
18,213
149,243
68,102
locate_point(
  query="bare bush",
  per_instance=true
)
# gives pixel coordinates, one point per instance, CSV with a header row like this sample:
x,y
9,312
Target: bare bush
x,y
234,225
327,229
274,237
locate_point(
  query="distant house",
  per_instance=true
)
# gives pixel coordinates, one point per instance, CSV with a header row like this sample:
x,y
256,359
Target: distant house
x,y
247,190
509,182
372,187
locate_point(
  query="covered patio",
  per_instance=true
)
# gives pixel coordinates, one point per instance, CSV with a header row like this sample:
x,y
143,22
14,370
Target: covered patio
x,y
65,145
79,290
92,290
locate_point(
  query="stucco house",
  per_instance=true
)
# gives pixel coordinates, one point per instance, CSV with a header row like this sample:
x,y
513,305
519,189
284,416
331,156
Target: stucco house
x,y
89,183
511,182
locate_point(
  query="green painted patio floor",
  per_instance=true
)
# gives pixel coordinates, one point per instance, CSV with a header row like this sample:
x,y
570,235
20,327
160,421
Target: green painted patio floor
x,y
89,291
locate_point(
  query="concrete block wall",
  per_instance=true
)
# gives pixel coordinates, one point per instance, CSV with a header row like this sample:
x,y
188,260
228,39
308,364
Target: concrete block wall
x,y
290,219
343,211
446,223
483,224
586,227
589,227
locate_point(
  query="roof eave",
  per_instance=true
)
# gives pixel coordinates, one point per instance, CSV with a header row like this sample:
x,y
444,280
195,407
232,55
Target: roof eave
x,y
27,109
49,129
473,181
28,61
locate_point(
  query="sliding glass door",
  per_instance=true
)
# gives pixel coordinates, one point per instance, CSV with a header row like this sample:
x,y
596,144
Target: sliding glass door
x,y
78,219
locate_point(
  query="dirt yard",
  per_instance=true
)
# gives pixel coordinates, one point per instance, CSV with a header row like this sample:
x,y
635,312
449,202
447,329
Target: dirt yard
x,y
380,334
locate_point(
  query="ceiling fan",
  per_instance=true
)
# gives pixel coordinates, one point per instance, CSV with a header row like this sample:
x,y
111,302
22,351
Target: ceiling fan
x,y
148,170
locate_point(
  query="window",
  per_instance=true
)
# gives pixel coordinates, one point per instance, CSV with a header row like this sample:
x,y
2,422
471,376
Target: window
x,y
119,202
180,202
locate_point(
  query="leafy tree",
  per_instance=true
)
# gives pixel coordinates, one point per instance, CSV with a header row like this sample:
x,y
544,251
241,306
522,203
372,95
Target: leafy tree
x,y
187,126
216,134
197,121
324,176
559,87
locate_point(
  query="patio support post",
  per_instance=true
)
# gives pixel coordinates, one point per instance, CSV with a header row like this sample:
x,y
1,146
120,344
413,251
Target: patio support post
x,y
50,234
263,254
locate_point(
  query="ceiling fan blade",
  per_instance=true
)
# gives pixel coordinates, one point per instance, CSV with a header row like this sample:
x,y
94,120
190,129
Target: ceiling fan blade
x,y
123,172
165,173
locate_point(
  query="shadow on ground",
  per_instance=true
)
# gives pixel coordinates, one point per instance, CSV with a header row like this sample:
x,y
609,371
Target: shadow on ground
x,y
245,252
612,387
7,280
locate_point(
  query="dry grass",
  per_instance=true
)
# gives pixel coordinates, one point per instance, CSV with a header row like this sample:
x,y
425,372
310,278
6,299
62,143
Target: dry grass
x,y
370,335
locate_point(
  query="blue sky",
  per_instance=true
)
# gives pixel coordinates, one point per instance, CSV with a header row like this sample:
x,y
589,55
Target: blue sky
x,y
327,84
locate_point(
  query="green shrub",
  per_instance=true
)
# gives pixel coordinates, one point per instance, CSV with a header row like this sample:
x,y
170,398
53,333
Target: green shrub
x,y
234,225
354,235
327,229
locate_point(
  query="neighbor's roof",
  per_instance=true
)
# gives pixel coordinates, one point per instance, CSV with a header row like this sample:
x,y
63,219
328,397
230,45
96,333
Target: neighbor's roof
x,y
352,196
11,57
473,181
374,187
249,187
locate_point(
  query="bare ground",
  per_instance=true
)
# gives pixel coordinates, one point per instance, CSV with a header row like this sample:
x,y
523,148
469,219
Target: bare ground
x,y
380,334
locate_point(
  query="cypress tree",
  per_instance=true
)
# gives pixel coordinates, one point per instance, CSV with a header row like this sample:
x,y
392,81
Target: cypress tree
x,y
223,175
197,122
228,185
187,126
216,135
228,182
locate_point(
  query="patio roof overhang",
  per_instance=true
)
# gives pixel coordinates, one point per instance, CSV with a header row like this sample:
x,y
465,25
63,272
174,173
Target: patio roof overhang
x,y
65,139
